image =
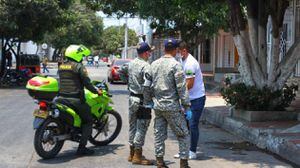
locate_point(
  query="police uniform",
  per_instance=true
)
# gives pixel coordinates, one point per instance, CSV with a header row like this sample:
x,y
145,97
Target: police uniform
x,y
73,78
170,93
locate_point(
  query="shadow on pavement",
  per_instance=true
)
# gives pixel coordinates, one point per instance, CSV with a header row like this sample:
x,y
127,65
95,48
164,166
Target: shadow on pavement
x,y
12,87
67,155
215,143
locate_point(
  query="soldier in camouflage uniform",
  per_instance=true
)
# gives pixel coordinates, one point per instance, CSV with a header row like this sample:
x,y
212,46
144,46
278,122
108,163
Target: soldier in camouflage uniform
x,y
139,116
170,93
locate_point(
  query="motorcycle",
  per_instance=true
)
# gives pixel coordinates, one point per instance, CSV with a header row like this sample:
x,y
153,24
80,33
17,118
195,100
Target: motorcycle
x,y
55,121
13,78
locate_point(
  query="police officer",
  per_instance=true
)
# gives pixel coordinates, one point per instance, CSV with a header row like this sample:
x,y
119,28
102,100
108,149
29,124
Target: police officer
x,y
139,116
170,93
73,77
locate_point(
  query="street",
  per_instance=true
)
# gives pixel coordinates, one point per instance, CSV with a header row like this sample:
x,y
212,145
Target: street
x,y
218,149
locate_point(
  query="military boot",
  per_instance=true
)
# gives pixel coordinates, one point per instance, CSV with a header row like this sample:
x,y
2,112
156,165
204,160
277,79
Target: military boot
x,y
160,162
184,163
131,153
138,158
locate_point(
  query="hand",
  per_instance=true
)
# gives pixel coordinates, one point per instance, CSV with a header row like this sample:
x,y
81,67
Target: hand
x,y
99,92
188,114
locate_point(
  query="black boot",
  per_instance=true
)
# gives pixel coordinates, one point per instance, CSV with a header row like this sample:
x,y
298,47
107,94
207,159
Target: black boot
x,y
82,150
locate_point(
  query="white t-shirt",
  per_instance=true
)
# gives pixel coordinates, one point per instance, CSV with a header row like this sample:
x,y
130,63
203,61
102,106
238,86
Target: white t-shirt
x,y
96,58
192,70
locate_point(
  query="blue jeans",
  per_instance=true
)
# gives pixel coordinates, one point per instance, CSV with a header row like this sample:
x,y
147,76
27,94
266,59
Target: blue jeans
x,y
45,68
197,107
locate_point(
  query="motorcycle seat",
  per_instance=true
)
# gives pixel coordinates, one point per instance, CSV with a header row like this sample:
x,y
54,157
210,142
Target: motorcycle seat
x,y
66,103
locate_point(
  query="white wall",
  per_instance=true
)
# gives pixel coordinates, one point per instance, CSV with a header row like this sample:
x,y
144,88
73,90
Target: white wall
x,y
28,48
32,48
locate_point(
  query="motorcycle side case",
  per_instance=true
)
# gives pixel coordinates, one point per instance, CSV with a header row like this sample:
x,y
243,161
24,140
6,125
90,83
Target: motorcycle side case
x,y
37,122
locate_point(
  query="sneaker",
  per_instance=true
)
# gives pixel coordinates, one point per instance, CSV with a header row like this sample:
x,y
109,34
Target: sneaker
x,y
177,156
192,155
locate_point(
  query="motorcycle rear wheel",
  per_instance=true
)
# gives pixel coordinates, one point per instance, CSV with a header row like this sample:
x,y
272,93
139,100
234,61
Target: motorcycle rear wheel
x,y
43,138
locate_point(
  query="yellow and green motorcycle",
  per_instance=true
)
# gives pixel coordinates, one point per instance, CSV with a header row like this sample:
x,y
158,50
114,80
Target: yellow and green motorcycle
x,y
56,121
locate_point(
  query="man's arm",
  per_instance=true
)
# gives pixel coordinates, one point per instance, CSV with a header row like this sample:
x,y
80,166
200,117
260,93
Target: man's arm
x,y
181,86
147,93
86,80
190,76
190,82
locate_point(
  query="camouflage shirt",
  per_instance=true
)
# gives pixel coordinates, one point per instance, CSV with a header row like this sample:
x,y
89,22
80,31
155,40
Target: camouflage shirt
x,y
137,70
168,85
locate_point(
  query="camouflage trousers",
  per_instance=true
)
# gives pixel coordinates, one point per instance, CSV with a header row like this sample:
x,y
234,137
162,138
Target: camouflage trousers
x,y
178,125
137,127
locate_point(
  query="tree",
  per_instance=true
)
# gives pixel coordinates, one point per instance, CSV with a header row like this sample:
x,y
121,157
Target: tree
x,y
29,20
249,32
247,20
23,20
83,26
113,39
193,19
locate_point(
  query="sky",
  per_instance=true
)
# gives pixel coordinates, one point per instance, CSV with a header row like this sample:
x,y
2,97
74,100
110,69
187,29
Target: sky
x,y
133,23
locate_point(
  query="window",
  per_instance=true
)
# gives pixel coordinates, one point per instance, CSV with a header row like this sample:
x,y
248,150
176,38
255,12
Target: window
x,y
205,56
228,52
287,32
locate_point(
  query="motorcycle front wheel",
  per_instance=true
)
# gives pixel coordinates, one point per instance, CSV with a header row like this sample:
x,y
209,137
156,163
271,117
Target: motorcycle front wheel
x,y
44,144
109,132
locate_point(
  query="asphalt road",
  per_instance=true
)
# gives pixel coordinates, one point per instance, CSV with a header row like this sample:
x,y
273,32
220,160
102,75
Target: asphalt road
x,y
218,149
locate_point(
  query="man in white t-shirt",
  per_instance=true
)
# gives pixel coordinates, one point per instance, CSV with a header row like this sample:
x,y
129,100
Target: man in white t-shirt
x,y
96,61
194,81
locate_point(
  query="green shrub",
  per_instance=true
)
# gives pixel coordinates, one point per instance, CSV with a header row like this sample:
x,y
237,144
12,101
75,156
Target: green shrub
x,y
251,98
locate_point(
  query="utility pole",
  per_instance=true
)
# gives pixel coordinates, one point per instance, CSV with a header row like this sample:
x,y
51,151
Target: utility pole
x,y
126,38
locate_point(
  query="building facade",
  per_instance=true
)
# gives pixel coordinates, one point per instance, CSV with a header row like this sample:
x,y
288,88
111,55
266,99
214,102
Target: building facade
x,y
218,55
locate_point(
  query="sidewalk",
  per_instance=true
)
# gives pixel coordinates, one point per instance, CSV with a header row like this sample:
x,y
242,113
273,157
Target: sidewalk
x,y
279,137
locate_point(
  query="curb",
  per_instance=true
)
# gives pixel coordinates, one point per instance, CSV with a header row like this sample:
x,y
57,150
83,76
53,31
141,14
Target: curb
x,y
270,139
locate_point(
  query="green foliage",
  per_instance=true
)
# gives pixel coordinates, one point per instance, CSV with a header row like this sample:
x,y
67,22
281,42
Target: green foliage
x,y
30,19
81,26
110,7
251,98
113,39
192,18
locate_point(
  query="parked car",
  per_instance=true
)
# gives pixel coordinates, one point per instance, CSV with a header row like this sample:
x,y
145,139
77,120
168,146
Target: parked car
x,y
114,70
104,59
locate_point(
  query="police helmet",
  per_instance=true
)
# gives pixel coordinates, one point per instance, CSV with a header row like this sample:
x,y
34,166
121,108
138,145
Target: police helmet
x,y
77,52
